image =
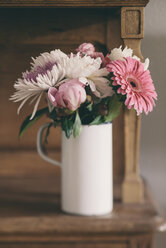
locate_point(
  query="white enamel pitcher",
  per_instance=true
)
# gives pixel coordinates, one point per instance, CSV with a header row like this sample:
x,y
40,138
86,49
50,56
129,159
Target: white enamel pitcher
x,y
87,184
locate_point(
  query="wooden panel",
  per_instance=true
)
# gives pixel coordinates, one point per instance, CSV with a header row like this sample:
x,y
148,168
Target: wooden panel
x,y
63,245
132,20
130,16
28,164
114,27
72,3
52,26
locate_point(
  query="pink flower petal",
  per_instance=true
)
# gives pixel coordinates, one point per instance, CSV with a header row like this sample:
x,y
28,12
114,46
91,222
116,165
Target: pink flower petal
x,y
135,82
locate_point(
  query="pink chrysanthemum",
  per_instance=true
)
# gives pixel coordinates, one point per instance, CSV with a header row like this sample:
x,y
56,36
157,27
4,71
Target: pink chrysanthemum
x,y
134,82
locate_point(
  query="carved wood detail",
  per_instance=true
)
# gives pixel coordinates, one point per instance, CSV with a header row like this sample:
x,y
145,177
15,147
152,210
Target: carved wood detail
x,y
132,19
132,187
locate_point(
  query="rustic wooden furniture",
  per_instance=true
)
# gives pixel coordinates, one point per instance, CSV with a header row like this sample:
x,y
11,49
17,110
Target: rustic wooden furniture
x,y
30,214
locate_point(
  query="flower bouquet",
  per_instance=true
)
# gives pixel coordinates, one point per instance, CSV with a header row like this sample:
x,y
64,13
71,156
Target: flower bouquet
x,y
85,91
85,88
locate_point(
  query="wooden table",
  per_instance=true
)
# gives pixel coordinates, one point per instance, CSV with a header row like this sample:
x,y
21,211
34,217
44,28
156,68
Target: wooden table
x,y
30,214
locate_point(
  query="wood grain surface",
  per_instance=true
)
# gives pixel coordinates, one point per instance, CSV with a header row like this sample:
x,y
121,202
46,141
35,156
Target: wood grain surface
x,y
71,3
132,31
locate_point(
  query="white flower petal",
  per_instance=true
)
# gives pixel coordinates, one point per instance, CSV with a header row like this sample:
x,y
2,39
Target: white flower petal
x,y
116,54
50,105
33,99
83,80
127,52
36,106
92,85
77,66
146,64
135,57
21,105
44,58
102,87
100,73
27,88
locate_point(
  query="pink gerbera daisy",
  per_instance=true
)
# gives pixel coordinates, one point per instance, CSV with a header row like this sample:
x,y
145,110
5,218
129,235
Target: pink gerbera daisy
x,y
134,82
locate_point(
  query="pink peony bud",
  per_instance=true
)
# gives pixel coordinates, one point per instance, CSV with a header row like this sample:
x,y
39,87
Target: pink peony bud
x,y
70,95
89,49
86,48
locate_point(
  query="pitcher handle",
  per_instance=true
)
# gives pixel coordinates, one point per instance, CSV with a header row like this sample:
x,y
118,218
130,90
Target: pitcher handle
x,y
40,147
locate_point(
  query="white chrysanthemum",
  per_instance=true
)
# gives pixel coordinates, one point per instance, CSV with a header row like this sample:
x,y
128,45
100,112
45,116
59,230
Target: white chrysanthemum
x,y
46,72
53,57
118,53
54,68
89,72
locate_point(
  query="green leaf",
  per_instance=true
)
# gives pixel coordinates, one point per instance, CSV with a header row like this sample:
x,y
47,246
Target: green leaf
x,y
97,121
67,126
48,132
114,109
90,106
28,123
77,127
53,115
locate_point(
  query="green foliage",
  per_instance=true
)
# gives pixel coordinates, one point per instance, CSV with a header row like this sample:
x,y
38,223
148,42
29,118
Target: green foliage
x,y
48,132
77,127
53,115
98,120
114,108
67,125
28,123
94,111
90,106
87,112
